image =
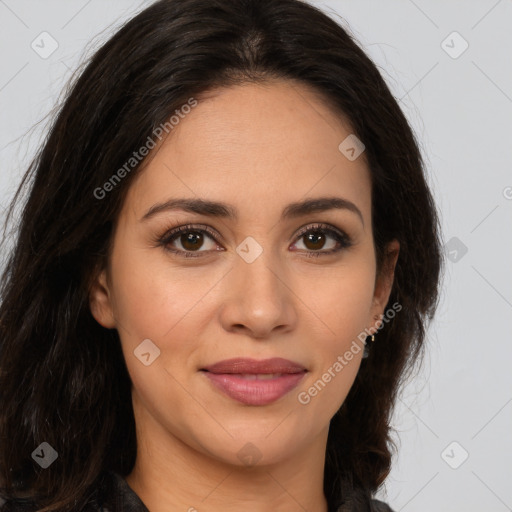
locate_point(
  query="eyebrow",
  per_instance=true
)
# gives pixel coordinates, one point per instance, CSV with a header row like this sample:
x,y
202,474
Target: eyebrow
x,y
223,210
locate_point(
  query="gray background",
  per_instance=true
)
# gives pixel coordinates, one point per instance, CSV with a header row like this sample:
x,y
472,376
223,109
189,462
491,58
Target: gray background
x,y
460,105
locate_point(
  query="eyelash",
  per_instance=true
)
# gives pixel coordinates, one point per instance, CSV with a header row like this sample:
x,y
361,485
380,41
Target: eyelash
x,y
342,238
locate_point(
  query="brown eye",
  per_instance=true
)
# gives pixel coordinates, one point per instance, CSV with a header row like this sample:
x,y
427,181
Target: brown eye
x,y
316,237
191,241
315,240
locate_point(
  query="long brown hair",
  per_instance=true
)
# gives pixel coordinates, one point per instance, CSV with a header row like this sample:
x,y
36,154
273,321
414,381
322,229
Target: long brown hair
x,y
63,379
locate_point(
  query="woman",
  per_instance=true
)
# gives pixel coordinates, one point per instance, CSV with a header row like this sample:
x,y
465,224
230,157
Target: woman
x,y
223,271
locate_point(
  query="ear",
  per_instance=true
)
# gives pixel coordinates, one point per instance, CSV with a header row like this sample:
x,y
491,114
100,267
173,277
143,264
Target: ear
x,y
100,302
384,281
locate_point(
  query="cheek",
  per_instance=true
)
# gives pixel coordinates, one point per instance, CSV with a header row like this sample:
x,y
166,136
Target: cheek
x,y
341,307
153,301
150,299
340,300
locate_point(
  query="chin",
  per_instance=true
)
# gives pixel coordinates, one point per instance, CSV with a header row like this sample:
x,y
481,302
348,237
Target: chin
x,y
255,447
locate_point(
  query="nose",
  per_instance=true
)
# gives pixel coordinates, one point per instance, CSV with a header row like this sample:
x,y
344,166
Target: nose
x,y
258,299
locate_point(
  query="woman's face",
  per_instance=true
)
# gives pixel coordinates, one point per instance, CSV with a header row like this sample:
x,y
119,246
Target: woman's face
x,y
255,285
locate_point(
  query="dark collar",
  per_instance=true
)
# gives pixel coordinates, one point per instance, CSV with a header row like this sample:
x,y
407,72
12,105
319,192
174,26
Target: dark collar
x,y
118,496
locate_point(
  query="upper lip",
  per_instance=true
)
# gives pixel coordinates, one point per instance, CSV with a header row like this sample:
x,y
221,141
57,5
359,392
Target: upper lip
x,y
246,365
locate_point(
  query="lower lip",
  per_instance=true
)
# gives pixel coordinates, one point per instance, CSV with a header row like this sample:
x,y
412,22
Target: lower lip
x,y
255,392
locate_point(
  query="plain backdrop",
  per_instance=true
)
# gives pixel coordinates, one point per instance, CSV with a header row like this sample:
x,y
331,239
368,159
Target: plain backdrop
x,y
448,63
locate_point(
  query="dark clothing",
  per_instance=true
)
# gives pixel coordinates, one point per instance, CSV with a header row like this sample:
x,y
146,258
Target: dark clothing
x,y
115,495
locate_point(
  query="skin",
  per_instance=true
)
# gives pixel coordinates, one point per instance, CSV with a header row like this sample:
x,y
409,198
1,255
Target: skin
x,y
258,148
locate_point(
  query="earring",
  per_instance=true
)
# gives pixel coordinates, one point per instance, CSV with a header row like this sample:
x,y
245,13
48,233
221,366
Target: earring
x,y
366,349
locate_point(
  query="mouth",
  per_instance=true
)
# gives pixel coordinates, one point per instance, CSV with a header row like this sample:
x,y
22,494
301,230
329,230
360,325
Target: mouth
x,y
254,382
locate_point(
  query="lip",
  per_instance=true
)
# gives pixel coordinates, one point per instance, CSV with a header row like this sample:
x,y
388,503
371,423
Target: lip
x,y
243,379
254,366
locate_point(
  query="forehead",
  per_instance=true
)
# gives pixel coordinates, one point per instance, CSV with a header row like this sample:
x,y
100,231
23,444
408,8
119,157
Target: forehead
x,y
256,146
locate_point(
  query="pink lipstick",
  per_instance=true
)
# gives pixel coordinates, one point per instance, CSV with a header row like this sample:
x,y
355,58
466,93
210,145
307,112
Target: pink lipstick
x,y
254,382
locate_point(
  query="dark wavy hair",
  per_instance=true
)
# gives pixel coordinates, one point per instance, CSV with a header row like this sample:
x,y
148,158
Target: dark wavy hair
x,y
63,378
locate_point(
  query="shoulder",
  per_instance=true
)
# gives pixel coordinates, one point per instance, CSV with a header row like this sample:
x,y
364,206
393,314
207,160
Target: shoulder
x,y
380,506
117,495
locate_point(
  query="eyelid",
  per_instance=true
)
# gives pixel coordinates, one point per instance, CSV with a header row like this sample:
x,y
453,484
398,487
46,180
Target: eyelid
x,y
320,225
171,232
